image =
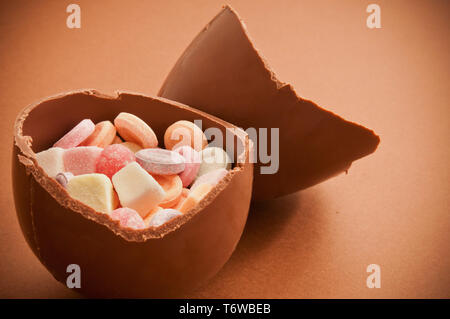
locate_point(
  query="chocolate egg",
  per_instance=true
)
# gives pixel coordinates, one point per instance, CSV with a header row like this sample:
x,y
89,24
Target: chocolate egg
x,y
222,73
117,261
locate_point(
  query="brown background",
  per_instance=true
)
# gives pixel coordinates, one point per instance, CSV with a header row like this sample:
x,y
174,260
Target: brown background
x,y
392,208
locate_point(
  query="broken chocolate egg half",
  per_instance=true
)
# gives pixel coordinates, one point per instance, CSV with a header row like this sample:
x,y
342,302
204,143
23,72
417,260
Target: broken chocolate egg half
x,y
222,73
117,261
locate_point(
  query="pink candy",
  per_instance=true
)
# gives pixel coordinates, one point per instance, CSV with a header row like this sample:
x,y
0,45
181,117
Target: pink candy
x,y
211,178
192,164
76,135
113,158
161,162
128,218
163,216
64,178
81,160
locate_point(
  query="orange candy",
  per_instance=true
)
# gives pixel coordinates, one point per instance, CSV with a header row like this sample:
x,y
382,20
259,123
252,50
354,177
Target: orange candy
x,y
151,213
184,195
103,135
117,140
173,188
116,202
184,133
194,197
133,129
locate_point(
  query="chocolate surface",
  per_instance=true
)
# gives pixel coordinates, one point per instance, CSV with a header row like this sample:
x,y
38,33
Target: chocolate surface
x,y
116,261
223,74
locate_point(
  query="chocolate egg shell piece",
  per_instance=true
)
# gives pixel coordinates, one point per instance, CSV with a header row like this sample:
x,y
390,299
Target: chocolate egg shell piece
x,y
117,261
238,86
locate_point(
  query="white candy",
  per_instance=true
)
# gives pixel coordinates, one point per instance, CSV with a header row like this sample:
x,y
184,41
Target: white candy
x,y
163,216
51,161
137,189
213,158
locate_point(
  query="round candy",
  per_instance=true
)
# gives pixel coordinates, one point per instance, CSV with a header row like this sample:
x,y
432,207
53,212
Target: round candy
x,y
103,135
211,178
150,214
117,140
213,158
194,197
163,216
192,160
113,158
63,178
184,133
184,195
76,135
172,186
128,217
160,162
133,129
116,202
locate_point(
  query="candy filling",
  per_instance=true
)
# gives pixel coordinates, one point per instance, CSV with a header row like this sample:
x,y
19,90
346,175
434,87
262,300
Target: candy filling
x,y
118,169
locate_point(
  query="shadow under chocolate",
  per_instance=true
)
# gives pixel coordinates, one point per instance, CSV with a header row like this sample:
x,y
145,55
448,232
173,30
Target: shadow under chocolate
x,y
266,222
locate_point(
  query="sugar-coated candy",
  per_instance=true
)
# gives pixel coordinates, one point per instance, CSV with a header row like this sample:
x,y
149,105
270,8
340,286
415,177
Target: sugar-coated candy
x,y
113,158
151,213
128,217
82,159
132,146
163,216
159,161
184,133
194,197
173,187
117,140
132,129
212,177
184,195
51,161
63,178
192,160
94,190
137,189
76,135
213,158
116,202
103,135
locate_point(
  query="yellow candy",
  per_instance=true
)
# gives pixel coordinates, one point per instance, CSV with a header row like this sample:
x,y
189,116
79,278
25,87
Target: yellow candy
x,y
94,190
132,146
